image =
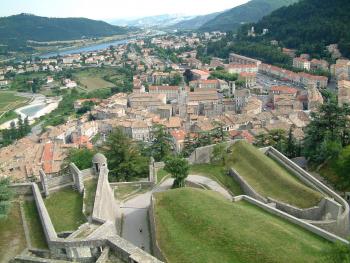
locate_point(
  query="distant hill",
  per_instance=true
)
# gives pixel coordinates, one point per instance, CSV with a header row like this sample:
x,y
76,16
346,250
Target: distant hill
x,y
24,27
310,25
250,12
195,23
159,21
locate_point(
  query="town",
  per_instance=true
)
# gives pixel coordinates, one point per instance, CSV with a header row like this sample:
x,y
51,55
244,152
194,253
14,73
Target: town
x,y
167,143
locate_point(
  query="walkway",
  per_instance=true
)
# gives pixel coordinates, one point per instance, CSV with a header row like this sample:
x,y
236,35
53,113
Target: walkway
x,y
135,210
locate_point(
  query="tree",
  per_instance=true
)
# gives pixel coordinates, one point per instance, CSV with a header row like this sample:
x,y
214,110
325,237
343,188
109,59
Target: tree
x,y
26,125
219,154
161,144
176,80
188,75
6,195
82,158
20,125
179,169
328,128
342,167
124,157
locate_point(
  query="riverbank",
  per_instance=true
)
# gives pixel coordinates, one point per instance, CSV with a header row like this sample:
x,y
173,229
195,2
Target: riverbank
x,y
89,47
38,106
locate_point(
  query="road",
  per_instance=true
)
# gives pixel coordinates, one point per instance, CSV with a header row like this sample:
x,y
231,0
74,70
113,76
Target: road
x,y
135,210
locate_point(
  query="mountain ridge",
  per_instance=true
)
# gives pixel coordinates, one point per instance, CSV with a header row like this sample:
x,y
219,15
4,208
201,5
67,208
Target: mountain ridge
x,y
249,12
24,27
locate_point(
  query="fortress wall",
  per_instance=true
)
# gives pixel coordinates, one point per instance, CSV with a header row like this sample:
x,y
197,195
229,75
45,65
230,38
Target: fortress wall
x,y
247,189
128,252
341,226
60,181
22,189
156,249
203,155
313,213
302,223
48,228
105,207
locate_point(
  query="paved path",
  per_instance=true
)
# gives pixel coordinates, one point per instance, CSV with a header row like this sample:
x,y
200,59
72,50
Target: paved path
x,y
135,210
211,184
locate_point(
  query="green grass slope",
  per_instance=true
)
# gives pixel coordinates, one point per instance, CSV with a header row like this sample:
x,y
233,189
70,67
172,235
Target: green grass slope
x,y
200,226
65,209
12,238
270,179
250,12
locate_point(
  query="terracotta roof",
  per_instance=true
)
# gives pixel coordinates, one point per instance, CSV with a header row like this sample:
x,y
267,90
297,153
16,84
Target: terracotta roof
x,y
178,135
284,89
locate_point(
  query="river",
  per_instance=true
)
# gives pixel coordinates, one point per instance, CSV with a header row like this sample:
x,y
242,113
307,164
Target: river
x,y
85,49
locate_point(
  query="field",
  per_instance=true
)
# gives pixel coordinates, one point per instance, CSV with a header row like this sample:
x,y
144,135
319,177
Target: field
x,y
12,239
270,179
102,78
10,101
36,232
65,209
200,226
92,79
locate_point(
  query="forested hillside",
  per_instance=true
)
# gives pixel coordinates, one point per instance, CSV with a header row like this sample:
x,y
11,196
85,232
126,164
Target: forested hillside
x,y
246,13
310,25
16,30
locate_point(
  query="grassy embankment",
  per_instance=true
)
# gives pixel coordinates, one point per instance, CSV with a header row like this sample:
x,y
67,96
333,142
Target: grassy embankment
x,y
200,226
265,175
269,178
65,209
90,192
12,238
36,232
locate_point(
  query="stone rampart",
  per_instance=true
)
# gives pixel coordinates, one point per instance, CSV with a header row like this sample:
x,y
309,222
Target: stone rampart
x,y
156,248
302,223
77,177
60,182
48,228
203,155
22,189
327,209
341,224
105,207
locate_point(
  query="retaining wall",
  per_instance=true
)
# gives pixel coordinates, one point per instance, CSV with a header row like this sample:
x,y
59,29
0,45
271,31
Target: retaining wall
x,y
327,209
156,249
45,219
22,189
203,154
302,223
128,252
56,182
341,225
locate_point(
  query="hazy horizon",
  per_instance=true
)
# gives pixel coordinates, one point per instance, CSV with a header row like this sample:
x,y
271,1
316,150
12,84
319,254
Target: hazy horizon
x,y
112,9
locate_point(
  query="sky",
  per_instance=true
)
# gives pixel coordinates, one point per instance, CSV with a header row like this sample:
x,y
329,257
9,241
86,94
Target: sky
x,y
114,9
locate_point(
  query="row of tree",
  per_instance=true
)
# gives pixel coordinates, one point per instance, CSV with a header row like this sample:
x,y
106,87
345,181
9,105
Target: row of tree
x,y
16,131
